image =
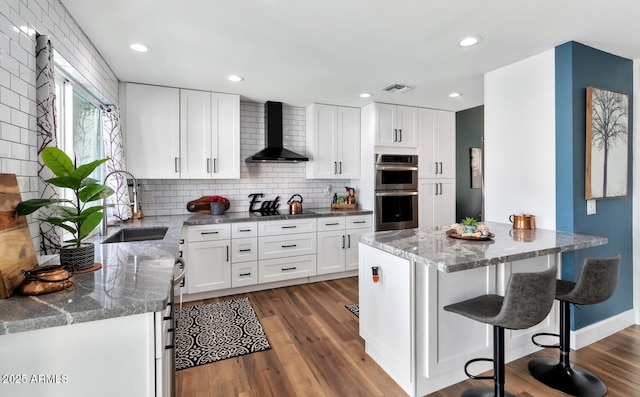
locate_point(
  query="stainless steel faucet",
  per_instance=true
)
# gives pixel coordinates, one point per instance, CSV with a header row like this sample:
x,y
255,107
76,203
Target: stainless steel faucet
x,y
104,200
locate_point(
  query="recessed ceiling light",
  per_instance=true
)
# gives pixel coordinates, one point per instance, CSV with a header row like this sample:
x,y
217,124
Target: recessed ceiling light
x,y
139,47
454,95
365,95
235,78
469,41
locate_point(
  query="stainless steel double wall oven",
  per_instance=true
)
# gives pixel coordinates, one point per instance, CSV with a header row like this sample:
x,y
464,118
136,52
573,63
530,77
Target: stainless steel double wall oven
x,y
396,191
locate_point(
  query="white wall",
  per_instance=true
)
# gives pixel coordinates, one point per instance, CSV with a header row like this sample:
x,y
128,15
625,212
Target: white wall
x,y
519,140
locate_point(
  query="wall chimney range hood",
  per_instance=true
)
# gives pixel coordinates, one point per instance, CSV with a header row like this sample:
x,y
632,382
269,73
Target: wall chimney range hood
x,y
274,152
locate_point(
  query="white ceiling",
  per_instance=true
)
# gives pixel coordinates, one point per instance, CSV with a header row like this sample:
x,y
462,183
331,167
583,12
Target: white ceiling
x,y
329,51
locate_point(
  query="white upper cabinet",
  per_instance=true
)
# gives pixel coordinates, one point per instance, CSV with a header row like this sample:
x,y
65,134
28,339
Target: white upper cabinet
x,y
333,142
437,148
152,131
396,126
173,133
209,135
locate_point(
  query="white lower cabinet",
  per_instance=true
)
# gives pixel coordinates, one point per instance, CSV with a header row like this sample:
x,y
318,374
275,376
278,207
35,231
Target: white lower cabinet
x,y
221,257
208,266
208,257
281,269
244,273
338,239
83,359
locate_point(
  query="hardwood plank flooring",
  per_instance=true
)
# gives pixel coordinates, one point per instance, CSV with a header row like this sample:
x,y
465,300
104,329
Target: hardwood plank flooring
x,y
317,351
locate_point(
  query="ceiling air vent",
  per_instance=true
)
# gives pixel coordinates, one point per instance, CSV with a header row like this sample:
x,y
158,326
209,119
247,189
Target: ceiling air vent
x,y
397,88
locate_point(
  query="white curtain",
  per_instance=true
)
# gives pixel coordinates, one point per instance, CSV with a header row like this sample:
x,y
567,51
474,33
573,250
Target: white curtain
x,y
114,150
50,238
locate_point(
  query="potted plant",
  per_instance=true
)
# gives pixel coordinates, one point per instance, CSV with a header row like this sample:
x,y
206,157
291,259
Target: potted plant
x,y
218,204
469,223
74,215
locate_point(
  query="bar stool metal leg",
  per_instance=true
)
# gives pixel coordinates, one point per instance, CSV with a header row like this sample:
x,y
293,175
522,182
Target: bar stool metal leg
x,y
498,371
562,375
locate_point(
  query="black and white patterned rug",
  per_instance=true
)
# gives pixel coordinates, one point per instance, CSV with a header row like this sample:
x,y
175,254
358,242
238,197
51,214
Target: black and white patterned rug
x,y
354,308
216,331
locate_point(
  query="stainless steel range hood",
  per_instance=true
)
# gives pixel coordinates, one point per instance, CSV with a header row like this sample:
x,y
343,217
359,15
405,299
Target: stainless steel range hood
x,y
274,152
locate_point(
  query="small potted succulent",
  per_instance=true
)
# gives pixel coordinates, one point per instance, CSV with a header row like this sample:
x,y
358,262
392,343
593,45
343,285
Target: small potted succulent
x,y
218,204
469,223
73,215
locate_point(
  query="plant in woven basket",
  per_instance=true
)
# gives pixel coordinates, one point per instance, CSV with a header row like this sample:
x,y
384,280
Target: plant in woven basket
x,y
73,215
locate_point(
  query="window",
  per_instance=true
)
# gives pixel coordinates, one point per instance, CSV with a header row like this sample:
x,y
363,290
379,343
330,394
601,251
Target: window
x,y
79,123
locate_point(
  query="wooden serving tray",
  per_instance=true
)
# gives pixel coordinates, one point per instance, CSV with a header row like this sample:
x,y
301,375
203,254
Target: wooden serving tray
x,y
453,234
344,206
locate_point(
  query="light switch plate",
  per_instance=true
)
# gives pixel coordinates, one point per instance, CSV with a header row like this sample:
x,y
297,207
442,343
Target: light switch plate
x,y
591,207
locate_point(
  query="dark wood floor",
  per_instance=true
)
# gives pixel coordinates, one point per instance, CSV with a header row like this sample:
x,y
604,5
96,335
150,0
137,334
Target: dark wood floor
x,y
316,351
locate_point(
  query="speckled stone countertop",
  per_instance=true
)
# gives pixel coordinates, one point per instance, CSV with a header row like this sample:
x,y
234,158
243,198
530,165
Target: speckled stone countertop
x,y
205,219
432,247
136,277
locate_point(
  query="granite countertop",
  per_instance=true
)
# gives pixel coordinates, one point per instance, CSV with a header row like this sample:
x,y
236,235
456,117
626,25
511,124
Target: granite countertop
x,y
136,277
432,247
206,219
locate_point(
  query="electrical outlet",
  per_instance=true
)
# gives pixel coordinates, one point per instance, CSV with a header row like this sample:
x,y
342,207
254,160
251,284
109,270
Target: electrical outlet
x,y
591,207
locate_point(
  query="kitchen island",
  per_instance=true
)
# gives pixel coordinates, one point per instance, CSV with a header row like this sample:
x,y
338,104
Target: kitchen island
x,y
406,331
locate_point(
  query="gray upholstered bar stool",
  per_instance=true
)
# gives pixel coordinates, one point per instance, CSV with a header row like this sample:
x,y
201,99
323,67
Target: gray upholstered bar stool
x,y
596,283
527,301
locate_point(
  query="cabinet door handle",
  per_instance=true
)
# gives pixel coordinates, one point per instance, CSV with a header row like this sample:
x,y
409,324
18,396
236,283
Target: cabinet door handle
x,y
395,135
175,164
227,253
342,242
400,135
284,269
244,230
208,165
245,274
215,168
335,167
340,167
245,250
204,233
332,224
288,227
348,241
290,246
359,222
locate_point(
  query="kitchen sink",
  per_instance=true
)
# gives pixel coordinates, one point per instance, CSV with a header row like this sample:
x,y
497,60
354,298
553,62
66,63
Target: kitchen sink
x,y
137,234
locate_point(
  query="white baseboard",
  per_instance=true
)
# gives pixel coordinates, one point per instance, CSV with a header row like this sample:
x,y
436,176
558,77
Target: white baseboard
x,y
600,330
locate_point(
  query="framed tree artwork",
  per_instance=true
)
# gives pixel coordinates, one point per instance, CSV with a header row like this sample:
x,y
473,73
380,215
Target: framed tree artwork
x,y
607,154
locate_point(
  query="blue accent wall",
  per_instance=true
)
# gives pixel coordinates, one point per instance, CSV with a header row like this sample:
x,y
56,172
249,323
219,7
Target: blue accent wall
x,y
576,67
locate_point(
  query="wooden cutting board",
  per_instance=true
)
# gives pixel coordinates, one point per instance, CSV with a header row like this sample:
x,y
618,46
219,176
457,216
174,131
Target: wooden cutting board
x,y
17,252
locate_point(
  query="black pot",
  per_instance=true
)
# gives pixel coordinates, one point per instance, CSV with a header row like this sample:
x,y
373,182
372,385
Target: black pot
x,y
77,258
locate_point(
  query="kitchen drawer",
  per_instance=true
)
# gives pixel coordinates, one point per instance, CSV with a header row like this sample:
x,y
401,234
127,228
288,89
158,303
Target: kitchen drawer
x,y
244,229
270,247
331,223
245,273
244,249
359,221
287,226
212,232
287,268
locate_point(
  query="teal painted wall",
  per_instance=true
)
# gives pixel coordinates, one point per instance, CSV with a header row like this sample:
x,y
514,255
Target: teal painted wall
x,y
577,67
469,134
